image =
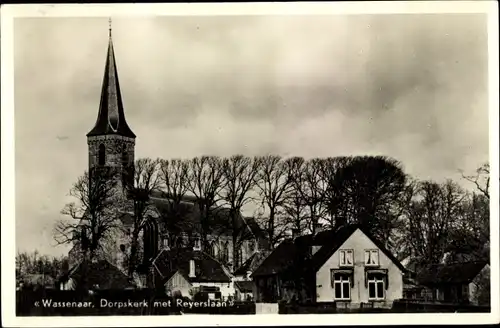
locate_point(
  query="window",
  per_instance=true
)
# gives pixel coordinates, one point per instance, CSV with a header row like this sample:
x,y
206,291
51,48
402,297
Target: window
x,y
166,241
376,287
342,286
102,155
371,257
346,257
197,243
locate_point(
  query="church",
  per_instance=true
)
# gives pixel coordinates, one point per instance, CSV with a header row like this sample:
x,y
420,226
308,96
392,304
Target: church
x,y
111,144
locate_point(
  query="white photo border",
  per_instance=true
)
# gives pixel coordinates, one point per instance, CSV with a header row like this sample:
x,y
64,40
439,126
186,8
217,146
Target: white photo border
x,y
11,12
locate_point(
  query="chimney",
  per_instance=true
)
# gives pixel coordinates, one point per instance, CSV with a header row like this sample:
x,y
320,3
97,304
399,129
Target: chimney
x,y
192,272
166,242
295,233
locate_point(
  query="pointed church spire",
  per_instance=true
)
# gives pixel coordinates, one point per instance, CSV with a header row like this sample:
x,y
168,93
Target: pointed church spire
x,y
111,117
110,28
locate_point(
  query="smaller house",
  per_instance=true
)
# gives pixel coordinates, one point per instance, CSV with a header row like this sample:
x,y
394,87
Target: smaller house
x,y
244,290
186,271
94,275
244,285
462,283
346,266
37,281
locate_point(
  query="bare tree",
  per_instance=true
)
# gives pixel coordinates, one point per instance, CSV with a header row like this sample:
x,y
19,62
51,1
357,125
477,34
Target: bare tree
x,y
206,180
240,174
274,179
470,232
295,204
174,176
430,218
33,263
146,180
313,191
481,179
93,217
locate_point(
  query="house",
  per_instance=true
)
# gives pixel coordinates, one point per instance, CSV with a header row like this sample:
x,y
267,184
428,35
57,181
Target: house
x,y
37,281
347,266
466,283
93,275
243,290
186,271
242,279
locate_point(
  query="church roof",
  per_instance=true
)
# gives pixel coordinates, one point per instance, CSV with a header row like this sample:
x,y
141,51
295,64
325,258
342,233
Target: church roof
x,y
111,117
220,219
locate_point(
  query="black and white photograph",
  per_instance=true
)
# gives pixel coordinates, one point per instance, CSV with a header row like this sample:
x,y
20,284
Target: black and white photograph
x,y
221,159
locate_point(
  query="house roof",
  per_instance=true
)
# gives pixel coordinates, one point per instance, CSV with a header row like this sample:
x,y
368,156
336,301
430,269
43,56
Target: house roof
x,y
449,273
207,269
293,255
101,273
244,286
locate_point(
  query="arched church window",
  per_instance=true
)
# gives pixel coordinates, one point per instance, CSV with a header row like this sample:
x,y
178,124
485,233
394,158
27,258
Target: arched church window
x,y
102,155
212,248
225,252
239,257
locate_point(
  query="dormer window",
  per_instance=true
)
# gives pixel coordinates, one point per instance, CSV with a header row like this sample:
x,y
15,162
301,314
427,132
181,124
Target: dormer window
x,y
346,257
197,243
371,257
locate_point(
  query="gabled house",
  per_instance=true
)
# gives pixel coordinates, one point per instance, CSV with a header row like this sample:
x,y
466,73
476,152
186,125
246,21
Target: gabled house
x,y
346,266
466,283
185,271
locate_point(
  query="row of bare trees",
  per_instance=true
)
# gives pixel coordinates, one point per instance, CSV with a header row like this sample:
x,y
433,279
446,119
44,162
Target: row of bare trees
x,y
421,218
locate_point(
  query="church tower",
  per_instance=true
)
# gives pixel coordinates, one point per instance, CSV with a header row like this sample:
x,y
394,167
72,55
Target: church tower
x,y
111,143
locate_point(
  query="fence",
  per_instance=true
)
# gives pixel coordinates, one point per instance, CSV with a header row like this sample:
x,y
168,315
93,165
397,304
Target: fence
x,y
266,308
403,306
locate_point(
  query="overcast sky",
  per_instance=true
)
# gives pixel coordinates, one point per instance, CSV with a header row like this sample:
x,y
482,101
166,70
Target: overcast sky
x,y
413,87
